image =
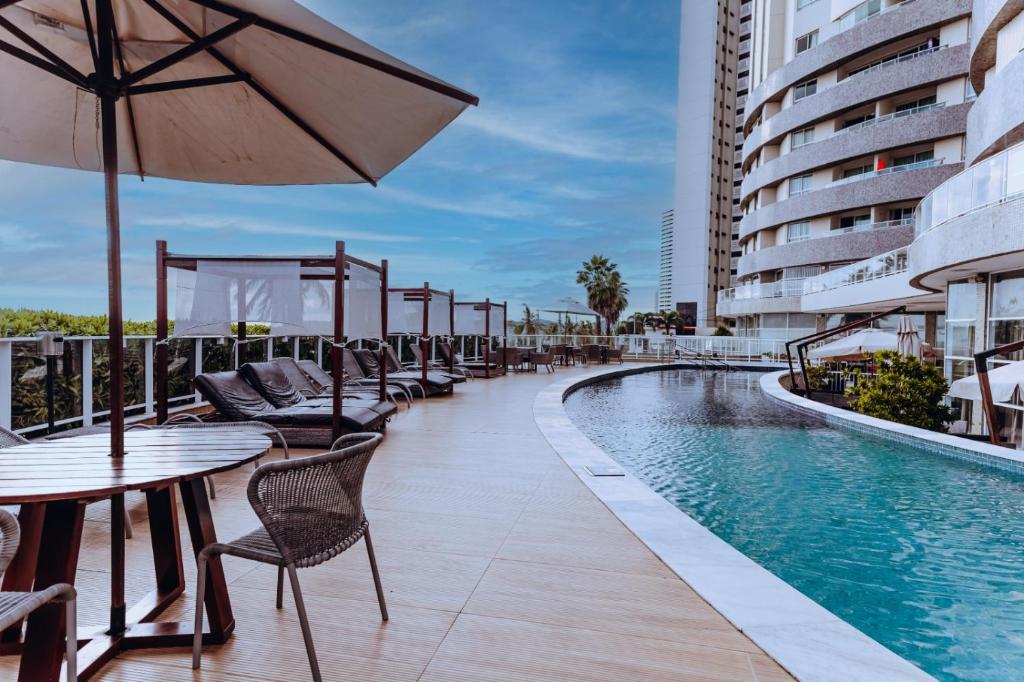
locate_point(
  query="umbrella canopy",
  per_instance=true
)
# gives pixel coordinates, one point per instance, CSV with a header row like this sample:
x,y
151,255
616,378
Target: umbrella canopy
x,y
570,306
1005,381
273,94
908,338
856,346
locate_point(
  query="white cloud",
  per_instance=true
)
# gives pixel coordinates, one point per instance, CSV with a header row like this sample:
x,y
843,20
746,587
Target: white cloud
x,y
215,222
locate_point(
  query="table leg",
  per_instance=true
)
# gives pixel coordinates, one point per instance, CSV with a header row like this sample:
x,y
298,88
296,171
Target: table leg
x,y
58,559
200,526
166,538
22,569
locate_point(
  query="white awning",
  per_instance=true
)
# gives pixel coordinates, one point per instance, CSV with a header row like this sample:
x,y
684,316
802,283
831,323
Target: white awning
x,y
856,346
1005,381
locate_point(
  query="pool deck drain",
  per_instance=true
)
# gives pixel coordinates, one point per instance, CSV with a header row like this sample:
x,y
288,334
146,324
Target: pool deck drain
x,y
805,638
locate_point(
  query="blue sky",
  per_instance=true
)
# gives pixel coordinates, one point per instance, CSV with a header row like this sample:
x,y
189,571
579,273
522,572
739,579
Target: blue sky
x,y
570,153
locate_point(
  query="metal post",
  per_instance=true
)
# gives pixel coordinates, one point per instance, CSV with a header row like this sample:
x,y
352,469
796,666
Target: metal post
x,y
6,379
504,330
383,330
451,329
161,332
147,352
87,382
487,339
339,333
426,330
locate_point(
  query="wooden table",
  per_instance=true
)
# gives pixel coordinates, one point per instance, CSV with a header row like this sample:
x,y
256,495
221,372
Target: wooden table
x,y
54,480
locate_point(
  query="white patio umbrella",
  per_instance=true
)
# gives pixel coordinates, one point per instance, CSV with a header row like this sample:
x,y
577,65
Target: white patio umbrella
x,y
569,306
1004,380
856,346
908,339
255,92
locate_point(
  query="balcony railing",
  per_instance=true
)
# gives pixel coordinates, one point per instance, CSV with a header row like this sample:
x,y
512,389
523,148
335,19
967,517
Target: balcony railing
x,y
869,227
889,117
753,292
903,168
892,61
884,265
851,18
992,181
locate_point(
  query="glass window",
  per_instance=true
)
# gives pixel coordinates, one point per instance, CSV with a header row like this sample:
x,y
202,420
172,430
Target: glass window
x,y
802,137
856,170
960,301
916,104
799,184
800,4
805,89
852,221
987,179
905,213
1015,170
806,41
798,232
857,120
919,157
1008,295
863,11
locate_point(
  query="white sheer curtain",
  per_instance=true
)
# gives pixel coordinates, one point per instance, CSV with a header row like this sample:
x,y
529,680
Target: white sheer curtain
x,y
439,323
362,307
469,321
219,293
497,315
404,316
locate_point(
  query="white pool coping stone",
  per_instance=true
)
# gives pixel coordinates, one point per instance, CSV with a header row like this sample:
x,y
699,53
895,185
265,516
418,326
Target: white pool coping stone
x,y
806,639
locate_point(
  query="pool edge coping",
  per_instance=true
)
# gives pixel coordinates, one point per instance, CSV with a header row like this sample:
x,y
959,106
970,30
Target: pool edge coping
x,y
810,642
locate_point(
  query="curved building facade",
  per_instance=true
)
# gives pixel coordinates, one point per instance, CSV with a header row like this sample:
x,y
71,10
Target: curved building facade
x,y
857,110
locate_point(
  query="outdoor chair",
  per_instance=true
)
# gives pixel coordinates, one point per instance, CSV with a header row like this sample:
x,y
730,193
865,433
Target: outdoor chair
x,y
356,376
439,366
432,368
10,438
615,354
542,360
16,606
308,389
512,359
312,511
559,354
435,384
473,368
593,354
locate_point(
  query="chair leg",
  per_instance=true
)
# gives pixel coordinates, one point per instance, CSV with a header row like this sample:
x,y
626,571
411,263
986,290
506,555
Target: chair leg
x,y
129,531
197,636
213,488
307,635
71,630
280,587
376,576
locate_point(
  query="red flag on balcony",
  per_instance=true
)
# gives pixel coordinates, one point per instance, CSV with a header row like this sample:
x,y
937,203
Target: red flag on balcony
x,y
881,165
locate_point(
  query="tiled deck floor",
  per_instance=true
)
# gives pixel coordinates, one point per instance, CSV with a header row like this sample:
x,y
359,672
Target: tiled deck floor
x,y
497,562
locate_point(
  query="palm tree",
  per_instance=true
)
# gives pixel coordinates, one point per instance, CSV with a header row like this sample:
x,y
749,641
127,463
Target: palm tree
x,y
530,326
606,292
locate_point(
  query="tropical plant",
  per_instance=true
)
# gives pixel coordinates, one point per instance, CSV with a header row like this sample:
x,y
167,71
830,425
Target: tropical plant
x,y
26,322
606,292
905,390
530,325
721,330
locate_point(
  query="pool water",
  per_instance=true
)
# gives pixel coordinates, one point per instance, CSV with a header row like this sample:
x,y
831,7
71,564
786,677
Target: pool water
x,y
922,552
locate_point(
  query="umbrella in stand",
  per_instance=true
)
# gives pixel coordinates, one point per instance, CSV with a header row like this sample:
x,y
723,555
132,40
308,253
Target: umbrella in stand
x,y
569,306
908,339
260,92
856,346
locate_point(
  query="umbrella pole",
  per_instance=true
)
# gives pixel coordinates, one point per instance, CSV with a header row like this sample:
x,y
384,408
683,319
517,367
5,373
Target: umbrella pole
x,y
105,87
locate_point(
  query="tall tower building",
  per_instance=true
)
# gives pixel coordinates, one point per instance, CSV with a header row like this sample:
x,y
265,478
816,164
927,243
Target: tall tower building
x,y
714,62
664,297
856,110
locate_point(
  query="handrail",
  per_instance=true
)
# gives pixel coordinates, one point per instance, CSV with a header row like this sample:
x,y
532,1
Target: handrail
x,y
883,265
902,168
886,62
888,117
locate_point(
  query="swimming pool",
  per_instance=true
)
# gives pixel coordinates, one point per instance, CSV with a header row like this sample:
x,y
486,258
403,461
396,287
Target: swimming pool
x,y
921,552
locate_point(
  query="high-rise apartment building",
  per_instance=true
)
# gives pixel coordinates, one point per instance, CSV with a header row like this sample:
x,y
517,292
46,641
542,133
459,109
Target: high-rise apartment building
x,y
664,295
714,61
857,109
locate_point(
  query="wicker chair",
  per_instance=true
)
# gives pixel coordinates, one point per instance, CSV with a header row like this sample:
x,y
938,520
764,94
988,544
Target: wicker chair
x,y
10,438
312,511
545,360
16,606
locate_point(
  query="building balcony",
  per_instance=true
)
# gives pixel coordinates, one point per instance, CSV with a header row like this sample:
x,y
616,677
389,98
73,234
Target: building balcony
x,y
908,19
997,119
772,297
903,128
918,71
971,223
873,189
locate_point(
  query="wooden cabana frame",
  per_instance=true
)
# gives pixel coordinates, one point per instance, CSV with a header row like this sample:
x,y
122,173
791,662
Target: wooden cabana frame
x,y
328,266
423,295
487,305
987,404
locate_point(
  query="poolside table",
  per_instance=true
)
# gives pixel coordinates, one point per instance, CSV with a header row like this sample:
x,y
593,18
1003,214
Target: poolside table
x,y
53,481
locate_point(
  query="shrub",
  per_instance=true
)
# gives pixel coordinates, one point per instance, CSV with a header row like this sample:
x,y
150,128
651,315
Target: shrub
x,y
817,376
905,391
722,330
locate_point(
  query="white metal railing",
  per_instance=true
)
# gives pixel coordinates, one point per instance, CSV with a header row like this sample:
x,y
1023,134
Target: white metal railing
x,y
757,291
889,117
869,227
892,61
857,16
992,181
884,265
81,382
902,168
666,347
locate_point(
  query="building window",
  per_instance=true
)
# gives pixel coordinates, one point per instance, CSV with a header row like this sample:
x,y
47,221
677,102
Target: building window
x,y
805,89
799,184
906,213
800,4
861,12
919,157
807,41
857,170
857,120
798,232
852,222
802,137
916,104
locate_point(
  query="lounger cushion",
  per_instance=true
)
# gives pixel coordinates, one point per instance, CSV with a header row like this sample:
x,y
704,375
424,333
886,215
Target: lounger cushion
x,y
270,380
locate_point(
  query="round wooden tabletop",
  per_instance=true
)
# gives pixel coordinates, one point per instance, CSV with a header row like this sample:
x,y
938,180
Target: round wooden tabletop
x,y
82,468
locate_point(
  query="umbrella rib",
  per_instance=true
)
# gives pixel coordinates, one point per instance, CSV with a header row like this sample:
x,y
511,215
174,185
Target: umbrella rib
x,y
127,99
198,45
87,18
365,60
263,92
38,62
43,51
187,83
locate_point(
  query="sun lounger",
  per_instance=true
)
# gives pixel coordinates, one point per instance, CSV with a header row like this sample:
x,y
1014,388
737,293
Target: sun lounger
x,y
304,385
435,384
459,374
474,367
355,375
270,380
236,400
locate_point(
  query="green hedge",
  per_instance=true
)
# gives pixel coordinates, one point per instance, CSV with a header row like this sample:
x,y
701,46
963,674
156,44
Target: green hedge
x,y
26,322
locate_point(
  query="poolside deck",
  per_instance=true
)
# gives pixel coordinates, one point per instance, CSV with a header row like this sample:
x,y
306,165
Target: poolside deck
x,y
497,562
